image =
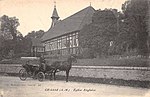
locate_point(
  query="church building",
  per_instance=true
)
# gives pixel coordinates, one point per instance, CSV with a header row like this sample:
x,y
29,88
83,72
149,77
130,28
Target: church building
x,y
62,37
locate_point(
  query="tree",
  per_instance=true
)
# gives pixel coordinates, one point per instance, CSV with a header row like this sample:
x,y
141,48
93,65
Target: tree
x,y
9,26
9,33
28,39
1,46
35,34
98,35
11,40
134,33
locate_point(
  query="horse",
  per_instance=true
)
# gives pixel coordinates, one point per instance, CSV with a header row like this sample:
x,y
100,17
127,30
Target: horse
x,y
63,66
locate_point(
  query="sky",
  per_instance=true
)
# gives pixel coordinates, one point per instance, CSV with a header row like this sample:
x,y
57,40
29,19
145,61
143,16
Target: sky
x,y
36,15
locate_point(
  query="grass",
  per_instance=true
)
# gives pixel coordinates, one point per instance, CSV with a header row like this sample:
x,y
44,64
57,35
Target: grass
x,y
18,61
129,62
11,61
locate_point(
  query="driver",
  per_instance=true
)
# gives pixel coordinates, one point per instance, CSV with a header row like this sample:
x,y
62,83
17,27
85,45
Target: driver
x,y
42,63
29,67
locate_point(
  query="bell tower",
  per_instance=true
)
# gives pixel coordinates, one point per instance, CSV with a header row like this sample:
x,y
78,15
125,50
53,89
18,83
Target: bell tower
x,y
55,16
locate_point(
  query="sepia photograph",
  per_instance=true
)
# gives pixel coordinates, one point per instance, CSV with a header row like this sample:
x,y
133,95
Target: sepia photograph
x,y
74,48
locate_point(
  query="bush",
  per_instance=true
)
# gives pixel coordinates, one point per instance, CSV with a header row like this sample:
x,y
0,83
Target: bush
x,y
129,62
11,61
86,54
22,55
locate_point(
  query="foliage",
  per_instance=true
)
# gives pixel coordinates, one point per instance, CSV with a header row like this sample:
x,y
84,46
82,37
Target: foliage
x,y
9,27
127,32
134,30
12,43
11,61
98,35
114,61
35,34
28,39
10,37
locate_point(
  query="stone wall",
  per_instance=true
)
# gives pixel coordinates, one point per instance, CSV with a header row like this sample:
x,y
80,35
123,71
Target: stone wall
x,y
111,72
13,68
108,72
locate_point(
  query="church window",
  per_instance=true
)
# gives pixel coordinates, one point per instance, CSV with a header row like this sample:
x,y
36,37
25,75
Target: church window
x,y
50,45
67,42
46,46
63,43
59,44
71,42
76,40
55,45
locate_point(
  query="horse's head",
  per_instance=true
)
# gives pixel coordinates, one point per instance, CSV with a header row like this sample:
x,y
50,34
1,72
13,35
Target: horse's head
x,y
72,58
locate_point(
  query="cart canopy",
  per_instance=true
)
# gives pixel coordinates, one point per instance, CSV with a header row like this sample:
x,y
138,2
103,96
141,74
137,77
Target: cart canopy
x,y
31,60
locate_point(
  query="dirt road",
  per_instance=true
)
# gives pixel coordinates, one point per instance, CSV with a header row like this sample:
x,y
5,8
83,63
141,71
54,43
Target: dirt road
x,y
14,87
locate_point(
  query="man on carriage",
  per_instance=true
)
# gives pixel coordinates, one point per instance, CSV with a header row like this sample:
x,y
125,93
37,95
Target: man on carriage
x,y
42,64
28,67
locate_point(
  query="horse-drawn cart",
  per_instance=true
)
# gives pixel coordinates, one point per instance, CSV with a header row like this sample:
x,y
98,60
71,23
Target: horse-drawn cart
x,y
31,68
40,69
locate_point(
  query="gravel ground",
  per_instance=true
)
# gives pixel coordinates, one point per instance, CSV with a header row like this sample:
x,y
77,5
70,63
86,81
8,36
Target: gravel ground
x,y
14,87
118,82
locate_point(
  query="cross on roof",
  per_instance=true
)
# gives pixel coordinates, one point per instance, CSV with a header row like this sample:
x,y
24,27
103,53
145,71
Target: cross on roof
x,y
54,3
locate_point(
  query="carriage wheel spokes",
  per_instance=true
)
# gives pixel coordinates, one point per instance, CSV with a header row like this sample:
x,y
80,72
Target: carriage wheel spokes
x,y
41,76
23,74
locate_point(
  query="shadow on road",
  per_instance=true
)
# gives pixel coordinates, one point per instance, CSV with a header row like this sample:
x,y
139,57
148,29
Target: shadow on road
x,y
118,82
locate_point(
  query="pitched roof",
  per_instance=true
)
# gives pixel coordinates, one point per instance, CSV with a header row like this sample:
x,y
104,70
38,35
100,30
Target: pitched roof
x,y
73,23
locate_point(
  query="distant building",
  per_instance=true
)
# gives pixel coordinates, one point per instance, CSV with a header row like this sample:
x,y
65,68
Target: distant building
x,y
37,48
62,37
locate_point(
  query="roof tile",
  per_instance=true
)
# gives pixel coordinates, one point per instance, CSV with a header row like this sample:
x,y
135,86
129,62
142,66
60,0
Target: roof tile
x,y
73,23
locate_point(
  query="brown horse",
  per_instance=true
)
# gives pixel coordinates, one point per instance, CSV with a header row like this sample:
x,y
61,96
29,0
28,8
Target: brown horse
x,y
64,65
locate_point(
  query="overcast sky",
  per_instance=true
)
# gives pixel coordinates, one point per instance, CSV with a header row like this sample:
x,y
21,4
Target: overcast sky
x,y
35,14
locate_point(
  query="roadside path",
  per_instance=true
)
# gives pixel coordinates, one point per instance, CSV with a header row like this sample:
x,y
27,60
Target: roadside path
x,y
14,87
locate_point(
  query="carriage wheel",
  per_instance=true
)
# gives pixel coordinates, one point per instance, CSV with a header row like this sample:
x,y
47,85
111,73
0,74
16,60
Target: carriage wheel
x,y
50,75
41,76
23,74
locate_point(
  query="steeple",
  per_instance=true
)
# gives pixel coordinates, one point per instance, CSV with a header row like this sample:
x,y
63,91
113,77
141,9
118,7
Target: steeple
x,y
55,16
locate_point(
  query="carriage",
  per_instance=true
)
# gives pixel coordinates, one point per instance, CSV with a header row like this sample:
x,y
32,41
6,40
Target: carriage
x,y
35,71
31,68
